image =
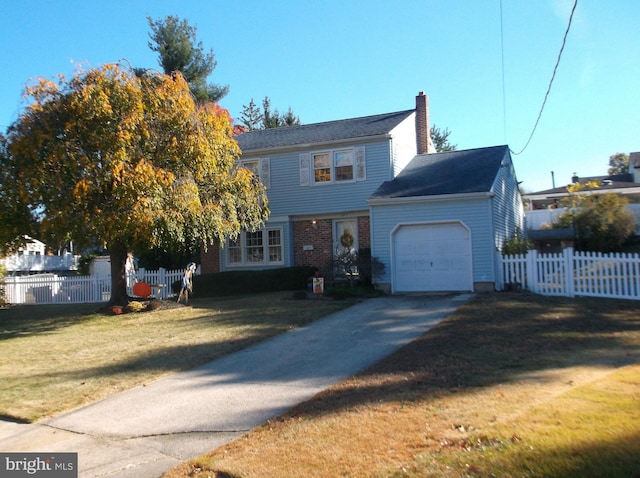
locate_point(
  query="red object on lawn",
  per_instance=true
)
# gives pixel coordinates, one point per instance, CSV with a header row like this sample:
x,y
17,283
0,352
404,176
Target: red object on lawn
x,y
141,289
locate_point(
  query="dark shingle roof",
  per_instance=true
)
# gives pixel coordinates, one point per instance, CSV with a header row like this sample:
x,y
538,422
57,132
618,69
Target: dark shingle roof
x,y
454,172
321,132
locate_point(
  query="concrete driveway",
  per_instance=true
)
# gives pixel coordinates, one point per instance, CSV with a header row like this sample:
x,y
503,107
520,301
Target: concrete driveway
x,y
147,430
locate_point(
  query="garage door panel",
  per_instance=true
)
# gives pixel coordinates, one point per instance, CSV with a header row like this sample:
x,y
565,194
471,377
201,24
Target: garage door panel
x,y
432,257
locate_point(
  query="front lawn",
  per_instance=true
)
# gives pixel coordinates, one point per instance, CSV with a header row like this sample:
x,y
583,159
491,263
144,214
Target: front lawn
x,y
55,358
511,385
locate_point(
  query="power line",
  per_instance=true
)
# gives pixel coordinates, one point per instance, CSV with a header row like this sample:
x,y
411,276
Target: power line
x,y
504,94
555,68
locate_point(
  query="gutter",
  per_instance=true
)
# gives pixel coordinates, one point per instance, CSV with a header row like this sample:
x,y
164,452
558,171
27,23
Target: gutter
x,y
434,198
296,147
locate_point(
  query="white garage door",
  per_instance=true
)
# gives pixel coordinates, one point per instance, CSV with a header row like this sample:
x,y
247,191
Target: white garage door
x,y
432,257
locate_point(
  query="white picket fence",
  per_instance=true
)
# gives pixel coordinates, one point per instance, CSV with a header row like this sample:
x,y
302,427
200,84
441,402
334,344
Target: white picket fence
x,y
571,273
55,289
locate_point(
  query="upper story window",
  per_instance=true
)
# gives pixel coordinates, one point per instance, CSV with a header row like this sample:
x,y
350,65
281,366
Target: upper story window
x,y
335,166
261,168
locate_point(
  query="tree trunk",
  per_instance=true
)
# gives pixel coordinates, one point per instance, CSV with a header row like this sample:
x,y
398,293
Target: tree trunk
x,y
118,258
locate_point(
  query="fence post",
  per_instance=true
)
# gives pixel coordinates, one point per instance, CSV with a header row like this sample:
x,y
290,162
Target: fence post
x,y
532,270
500,271
162,280
569,267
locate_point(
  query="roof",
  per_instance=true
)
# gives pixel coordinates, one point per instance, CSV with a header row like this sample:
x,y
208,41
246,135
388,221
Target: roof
x,y
321,132
615,181
454,172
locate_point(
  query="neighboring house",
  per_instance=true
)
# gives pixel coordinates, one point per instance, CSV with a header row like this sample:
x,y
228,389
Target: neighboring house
x,y
32,258
544,207
329,180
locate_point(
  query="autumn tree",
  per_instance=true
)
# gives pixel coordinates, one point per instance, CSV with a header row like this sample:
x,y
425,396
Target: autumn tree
x,y
618,164
108,157
176,43
602,222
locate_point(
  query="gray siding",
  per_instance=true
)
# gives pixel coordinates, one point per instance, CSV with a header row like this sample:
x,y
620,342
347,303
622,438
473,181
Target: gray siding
x,y
288,198
507,209
473,213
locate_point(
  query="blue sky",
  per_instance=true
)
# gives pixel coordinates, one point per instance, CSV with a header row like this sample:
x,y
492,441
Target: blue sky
x,y
335,59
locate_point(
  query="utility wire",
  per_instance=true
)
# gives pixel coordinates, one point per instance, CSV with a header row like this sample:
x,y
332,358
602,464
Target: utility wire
x,y
555,68
504,94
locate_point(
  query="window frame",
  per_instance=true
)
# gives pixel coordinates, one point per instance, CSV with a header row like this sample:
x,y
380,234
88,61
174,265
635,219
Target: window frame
x,y
251,246
333,156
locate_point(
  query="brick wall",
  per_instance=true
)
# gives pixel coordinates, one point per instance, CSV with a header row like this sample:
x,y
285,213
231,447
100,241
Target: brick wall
x,y
318,241
210,260
319,236
364,232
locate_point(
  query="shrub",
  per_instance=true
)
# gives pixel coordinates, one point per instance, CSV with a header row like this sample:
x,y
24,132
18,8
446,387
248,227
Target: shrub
x,y
153,305
251,282
516,244
134,306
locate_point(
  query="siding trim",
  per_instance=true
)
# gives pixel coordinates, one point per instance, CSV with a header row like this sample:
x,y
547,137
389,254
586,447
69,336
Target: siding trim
x,y
440,197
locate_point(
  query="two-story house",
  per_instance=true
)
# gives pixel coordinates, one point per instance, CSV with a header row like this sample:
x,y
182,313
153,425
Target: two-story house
x,y
337,179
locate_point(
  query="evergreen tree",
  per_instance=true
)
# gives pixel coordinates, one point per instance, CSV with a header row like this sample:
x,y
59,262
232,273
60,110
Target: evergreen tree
x,y
440,140
176,43
251,116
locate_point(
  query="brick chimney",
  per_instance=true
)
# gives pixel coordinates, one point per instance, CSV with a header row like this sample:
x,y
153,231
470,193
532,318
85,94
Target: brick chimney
x,y
423,132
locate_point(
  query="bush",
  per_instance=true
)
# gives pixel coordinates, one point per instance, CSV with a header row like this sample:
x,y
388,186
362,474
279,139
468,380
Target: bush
x,y
252,282
516,244
134,306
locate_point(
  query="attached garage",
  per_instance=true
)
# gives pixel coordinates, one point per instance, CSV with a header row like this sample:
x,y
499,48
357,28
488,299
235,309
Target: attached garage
x,y
440,223
432,257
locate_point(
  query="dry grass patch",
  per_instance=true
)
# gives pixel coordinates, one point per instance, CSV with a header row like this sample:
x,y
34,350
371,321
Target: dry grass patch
x,y
509,385
55,358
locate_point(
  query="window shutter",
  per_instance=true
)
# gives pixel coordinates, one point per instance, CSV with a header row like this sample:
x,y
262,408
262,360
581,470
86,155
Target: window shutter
x,y
304,169
265,172
361,168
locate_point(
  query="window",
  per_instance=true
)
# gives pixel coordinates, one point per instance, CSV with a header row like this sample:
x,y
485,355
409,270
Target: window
x,y
261,168
321,168
254,247
235,251
259,247
253,166
333,166
330,167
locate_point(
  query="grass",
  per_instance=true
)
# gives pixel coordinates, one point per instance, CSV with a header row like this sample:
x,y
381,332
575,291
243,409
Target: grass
x,y
510,385
55,358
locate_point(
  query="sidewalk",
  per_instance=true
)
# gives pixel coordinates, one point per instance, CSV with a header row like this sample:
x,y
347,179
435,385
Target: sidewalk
x,y
147,430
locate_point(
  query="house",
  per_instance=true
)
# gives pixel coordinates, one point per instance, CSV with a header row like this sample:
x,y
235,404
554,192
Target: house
x,y
32,258
353,178
544,207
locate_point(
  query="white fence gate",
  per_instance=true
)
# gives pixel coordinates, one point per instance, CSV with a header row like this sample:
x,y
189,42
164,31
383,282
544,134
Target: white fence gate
x,y
55,289
571,273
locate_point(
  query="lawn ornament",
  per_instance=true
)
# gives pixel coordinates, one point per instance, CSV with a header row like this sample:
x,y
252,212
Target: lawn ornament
x,y
187,283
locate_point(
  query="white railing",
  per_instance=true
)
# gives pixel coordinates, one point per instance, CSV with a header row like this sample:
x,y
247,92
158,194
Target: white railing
x,y
571,273
37,263
55,289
